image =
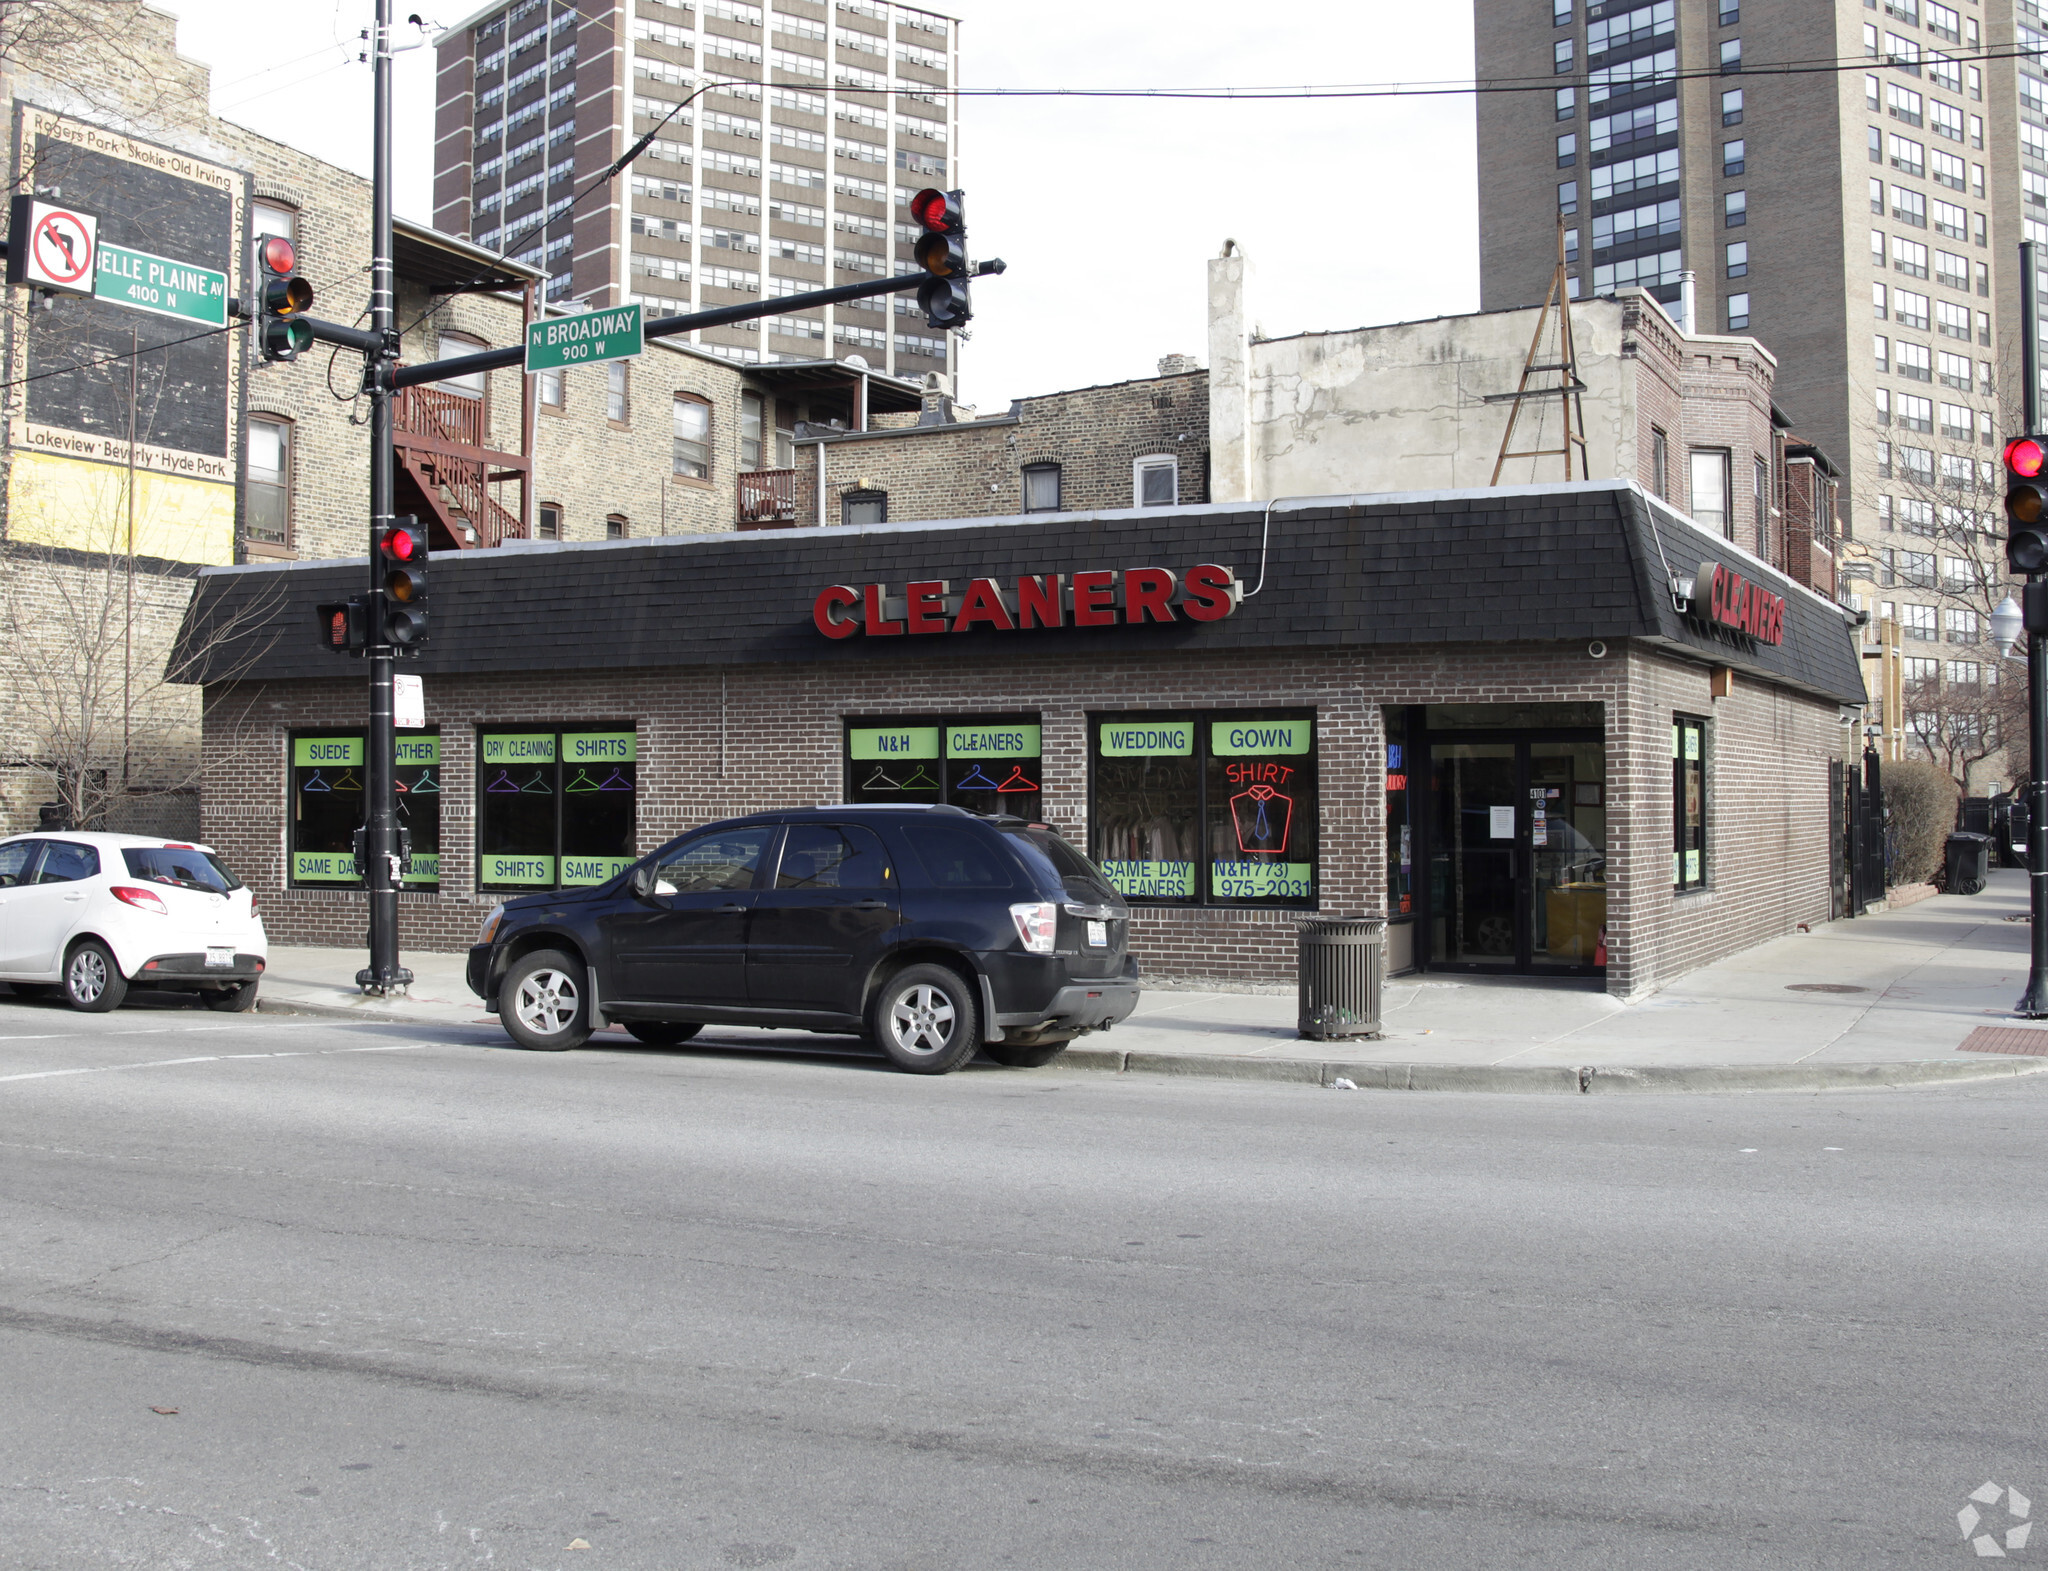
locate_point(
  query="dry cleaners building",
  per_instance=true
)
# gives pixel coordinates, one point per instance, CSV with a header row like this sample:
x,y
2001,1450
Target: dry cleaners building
x,y
1555,730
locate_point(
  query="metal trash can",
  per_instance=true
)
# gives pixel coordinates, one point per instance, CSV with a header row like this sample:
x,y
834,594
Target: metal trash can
x,y
1969,863
1341,969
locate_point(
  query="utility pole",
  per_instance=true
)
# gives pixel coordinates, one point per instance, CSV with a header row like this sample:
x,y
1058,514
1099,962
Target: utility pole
x,y
2033,1003
381,872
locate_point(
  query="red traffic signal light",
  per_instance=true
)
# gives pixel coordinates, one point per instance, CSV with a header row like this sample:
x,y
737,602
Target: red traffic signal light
x,y
2026,501
402,576
278,255
943,211
2026,456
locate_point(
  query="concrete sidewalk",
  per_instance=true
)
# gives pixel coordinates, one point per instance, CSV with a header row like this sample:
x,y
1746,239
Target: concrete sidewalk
x,y
1885,1000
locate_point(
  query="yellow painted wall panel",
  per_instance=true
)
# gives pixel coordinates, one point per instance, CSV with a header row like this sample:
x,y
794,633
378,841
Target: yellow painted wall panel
x,y
84,507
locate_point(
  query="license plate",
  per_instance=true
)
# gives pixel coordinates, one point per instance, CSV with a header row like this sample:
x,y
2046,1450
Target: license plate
x,y
1098,935
220,955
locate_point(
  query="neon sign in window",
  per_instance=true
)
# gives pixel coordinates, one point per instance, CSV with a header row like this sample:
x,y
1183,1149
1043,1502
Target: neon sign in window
x,y
1206,809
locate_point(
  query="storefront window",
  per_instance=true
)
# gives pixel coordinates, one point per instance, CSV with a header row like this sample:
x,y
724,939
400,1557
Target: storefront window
x,y
1235,794
555,808
986,765
1688,802
330,801
1400,840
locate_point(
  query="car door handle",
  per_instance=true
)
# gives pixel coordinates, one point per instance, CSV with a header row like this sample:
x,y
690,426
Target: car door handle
x,y
74,897
871,905
727,910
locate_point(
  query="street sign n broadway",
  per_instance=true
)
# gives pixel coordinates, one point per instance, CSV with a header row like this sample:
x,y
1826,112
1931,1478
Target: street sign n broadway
x,y
156,283
584,338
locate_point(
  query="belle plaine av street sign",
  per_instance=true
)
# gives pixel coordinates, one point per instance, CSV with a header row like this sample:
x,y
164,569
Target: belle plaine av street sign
x,y
584,338
157,284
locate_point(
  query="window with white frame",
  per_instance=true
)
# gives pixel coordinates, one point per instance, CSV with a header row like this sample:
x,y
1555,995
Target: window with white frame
x,y
1155,482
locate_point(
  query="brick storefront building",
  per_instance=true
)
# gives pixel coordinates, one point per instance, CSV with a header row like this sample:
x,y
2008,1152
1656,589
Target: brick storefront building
x,y
1498,715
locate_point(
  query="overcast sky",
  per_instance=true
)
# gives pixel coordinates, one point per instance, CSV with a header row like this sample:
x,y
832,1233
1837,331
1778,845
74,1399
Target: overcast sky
x,y
1353,211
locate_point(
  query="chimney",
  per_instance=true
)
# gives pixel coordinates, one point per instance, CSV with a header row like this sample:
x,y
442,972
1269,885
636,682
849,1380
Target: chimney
x,y
1688,302
1178,365
1231,463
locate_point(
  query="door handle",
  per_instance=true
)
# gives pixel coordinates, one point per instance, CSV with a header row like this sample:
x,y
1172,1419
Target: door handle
x,y
871,905
74,897
727,910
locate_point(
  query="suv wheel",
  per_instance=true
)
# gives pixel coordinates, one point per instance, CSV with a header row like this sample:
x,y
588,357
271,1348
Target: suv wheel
x,y
924,1017
1026,1052
544,1002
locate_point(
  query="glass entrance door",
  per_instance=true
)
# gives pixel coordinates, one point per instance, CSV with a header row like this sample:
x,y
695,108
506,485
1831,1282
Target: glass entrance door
x,y
1475,825
1517,853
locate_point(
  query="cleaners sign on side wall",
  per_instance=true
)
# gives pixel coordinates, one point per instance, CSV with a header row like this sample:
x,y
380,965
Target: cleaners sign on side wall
x,y
1105,598
1727,599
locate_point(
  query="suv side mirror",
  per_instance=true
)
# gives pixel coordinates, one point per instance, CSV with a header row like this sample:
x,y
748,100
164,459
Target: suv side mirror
x,y
641,884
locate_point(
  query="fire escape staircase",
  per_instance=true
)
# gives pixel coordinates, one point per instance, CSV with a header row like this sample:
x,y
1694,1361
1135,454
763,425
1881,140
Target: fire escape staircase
x,y
438,437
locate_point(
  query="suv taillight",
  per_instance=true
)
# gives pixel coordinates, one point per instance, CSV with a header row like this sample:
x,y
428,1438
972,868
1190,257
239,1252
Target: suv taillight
x,y
1037,924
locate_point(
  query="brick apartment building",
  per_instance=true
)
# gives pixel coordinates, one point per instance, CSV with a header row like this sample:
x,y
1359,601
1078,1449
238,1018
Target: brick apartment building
x,y
789,170
240,462
1547,728
1860,223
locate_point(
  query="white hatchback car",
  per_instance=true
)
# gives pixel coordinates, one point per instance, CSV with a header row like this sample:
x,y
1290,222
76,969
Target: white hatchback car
x,y
96,914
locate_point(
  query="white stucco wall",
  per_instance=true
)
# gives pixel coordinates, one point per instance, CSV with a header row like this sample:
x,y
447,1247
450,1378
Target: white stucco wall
x,y
1404,407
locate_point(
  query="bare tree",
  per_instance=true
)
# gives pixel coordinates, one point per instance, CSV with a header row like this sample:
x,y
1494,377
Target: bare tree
x,y
96,686
100,58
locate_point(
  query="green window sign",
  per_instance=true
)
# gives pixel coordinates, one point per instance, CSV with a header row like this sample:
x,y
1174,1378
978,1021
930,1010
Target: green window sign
x,y
1151,880
424,869
1147,739
418,751
324,867
583,871
519,747
310,752
886,742
494,868
609,747
991,741
1259,738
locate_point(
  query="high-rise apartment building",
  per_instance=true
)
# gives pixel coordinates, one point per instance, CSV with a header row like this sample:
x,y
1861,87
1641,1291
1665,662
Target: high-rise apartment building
x,y
790,174
1848,181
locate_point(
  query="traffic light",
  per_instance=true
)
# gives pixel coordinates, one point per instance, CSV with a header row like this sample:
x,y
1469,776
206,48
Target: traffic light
x,y
942,251
402,570
282,300
2026,503
343,626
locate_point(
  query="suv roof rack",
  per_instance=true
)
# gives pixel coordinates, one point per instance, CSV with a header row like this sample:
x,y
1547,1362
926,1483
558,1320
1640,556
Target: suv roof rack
x,y
895,807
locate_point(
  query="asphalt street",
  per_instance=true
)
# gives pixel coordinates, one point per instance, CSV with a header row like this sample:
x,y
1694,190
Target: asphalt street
x,y
288,1292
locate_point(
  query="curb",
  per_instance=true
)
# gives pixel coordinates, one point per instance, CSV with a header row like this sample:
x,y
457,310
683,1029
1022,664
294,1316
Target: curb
x,y
1555,1081
1546,1080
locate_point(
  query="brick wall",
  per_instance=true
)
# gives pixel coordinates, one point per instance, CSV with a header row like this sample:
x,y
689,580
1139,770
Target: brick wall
x,y
703,757
974,468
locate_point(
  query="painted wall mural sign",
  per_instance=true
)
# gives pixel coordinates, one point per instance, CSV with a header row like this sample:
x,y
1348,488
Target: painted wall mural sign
x,y
1723,597
1107,598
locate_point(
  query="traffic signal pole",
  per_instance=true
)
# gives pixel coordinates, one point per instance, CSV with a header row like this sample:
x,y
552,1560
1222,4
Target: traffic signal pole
x,y
381,872
2034,1003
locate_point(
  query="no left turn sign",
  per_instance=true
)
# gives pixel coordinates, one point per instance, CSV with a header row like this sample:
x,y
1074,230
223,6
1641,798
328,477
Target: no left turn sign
x,y
52,247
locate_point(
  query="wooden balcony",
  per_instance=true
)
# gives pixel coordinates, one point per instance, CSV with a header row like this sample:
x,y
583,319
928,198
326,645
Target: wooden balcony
x,y
440,437
767,499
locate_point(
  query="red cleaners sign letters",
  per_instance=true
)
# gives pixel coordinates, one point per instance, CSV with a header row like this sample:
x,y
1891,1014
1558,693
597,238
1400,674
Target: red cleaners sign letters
x,y
1723,596
1097,599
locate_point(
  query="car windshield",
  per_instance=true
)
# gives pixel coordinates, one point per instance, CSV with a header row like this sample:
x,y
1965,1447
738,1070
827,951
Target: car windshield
x,y
185,866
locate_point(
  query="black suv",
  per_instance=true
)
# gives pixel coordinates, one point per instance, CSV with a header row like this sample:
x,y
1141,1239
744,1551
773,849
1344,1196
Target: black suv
x,y
930,930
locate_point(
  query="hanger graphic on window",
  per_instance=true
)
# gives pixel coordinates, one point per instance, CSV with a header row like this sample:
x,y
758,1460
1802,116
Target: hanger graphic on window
x,y
425,785
581,783
975,780
348,781
920,780
880,781
503,782
538,785
1016,782
316,783
618,782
